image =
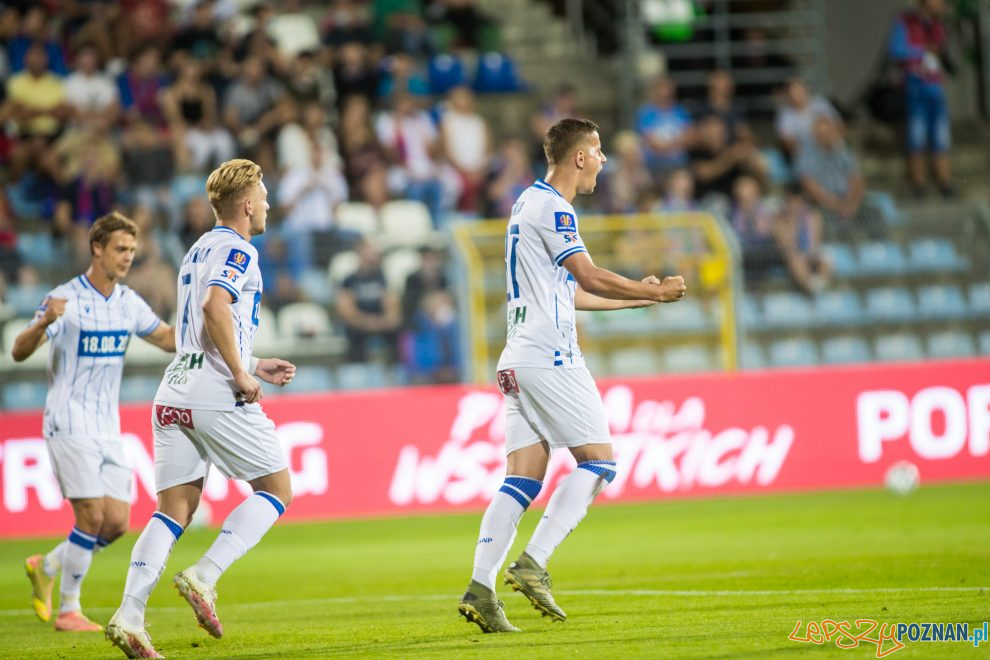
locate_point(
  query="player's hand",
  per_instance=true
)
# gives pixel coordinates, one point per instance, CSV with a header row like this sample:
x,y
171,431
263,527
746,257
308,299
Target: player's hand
x,y
54,308
649,279
672,289
275,371
248,386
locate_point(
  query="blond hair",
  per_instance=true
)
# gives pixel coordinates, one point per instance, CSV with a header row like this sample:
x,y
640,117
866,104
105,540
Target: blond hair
x,y
228,184
105,226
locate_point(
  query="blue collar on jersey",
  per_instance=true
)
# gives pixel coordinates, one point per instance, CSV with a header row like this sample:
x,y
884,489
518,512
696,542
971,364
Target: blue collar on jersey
x,y
543,185
222,228
89,285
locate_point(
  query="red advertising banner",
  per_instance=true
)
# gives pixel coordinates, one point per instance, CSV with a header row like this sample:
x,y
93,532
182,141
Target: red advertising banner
x,y
398,451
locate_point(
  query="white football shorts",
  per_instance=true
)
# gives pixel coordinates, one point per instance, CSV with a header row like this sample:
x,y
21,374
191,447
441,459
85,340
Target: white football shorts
x,y
559,406
88,467
240,442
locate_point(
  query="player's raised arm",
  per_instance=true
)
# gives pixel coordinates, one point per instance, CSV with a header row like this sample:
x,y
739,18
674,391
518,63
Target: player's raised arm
x,y
32,337
220,327
604,283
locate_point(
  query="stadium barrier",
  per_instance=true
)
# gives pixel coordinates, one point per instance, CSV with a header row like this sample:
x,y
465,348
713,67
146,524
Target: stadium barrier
x,y
437,449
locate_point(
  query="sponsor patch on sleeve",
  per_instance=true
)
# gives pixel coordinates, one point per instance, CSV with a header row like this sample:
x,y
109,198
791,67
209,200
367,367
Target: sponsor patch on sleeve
x,y
238,259
565,222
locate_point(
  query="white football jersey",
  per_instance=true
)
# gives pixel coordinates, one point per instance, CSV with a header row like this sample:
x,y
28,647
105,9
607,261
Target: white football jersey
x,y
198,378
542,233
86,356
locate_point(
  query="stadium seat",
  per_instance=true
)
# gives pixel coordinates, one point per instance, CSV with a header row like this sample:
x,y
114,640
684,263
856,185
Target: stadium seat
x,y
406,223
787,310
752,356
898,348
38,248
935,255
445,72
793,352
778,169
361,376
884,203
24,395
890,304
749,312
316,286
689,317
984,341
843,260
881,258
496,73
941,302
341,267
311,378
841,350
11,329
979,299
631,321
357,216
303,320
24,300
950,344
139,388
398,266
841,307
688,358
635,362
266,337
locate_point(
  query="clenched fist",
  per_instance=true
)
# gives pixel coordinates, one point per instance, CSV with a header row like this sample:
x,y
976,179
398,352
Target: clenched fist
x,y
672,289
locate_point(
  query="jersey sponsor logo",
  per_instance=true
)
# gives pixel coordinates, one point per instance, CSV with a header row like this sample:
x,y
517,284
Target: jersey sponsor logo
x,y
566,222
103,343
169,416
507,382
178,372
229,275
238,259
572,238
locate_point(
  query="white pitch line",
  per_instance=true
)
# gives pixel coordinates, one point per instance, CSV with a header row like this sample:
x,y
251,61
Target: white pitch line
x,y
657,593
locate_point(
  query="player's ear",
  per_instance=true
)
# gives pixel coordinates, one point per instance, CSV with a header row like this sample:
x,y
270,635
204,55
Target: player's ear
x,y
579,159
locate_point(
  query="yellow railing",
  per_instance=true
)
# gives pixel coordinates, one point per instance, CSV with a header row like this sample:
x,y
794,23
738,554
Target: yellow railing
x,y
694,245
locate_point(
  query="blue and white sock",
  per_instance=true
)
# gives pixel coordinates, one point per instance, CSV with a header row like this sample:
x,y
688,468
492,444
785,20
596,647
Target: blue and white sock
x,y
53,560
148,559
498,526
241,531
77,555
568,506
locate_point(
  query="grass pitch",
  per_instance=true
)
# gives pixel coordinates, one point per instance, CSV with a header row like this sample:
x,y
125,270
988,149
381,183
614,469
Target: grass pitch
x,y
725,578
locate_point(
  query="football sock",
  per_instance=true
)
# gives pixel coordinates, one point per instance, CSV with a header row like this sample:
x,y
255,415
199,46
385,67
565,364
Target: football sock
x,y
568,506
76,558
148,559
241,531
498,526
53,560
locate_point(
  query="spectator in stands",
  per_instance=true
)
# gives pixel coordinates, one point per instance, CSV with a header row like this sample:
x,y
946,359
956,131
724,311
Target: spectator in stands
x,y
461,17
717,163
190,105
35,31
90,165
799,234
466,145
200,37
720,100
431,346
140,88
511,173
627,180
353,73
665,128
830,174
919,43
149,165
310,79
197,219
256,105
347,21
308,198
91,93
400,26
678,192
297,140
36,98
370,312
755,225
401,73
364,158
281,270
428,278
412,145
796,116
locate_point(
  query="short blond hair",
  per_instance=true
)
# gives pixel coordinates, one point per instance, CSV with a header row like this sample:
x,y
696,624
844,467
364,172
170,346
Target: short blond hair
x,y
105,226
229,182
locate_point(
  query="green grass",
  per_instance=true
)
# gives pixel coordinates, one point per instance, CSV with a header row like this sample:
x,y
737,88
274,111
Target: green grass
x,y
723,578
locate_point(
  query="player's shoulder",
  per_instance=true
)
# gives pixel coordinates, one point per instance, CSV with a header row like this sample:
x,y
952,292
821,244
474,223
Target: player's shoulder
x,y
69,289
541,202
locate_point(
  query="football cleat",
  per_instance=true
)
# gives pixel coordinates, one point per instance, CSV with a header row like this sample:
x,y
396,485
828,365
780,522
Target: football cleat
x,y
134,642
533,581
41,586
479,605
202,598
75,622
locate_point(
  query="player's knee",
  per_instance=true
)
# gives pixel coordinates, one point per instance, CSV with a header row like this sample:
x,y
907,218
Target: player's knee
x,y
112,530
89,515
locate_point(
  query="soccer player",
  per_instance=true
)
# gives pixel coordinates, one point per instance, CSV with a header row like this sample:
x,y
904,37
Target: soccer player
x,y
206,412
89,321
551,399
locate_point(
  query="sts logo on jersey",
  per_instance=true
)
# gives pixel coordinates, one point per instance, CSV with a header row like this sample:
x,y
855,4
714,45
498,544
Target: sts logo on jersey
x,y
566,222
238,259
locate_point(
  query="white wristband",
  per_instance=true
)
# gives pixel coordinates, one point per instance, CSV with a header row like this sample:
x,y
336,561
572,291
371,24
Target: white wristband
x,y
253,366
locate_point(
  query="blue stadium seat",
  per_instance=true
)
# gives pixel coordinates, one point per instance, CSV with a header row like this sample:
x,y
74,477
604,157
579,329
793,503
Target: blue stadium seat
x,y
313,379
25,395
752,356
935,255
942,302
361,376
316,286
840,307
38,248
898,348
843,260
688,358
884,202
780,172
139,388
787,310
24,300
979,299
793,352
749,313
842,350
690,317
497,73
881,258
890,303
635,362
445,72
951,344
